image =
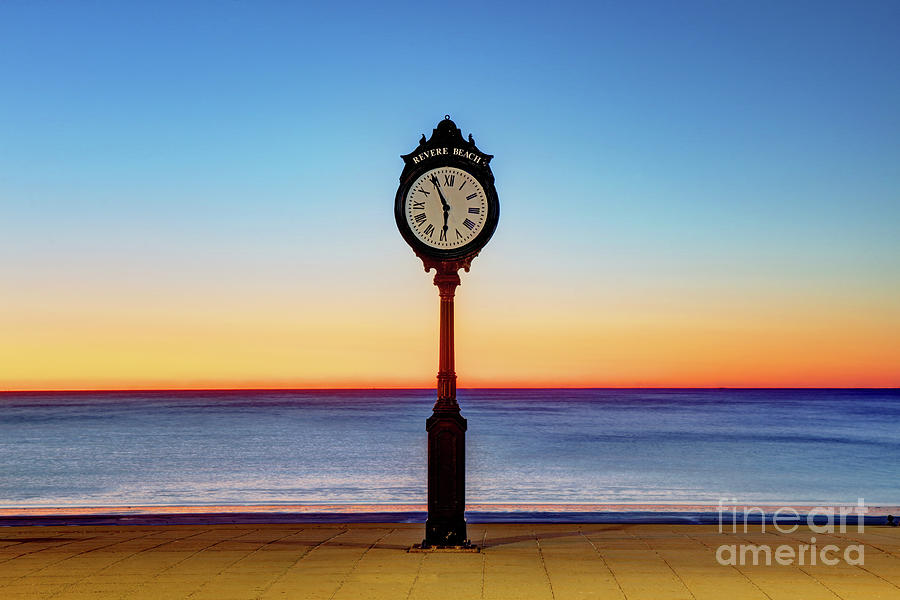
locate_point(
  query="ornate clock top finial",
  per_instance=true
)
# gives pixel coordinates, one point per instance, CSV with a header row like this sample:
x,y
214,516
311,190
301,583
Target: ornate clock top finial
x,y
447,126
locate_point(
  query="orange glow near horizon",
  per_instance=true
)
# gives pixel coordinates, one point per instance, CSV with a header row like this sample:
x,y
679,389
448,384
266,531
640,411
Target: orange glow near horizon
x,y
615,345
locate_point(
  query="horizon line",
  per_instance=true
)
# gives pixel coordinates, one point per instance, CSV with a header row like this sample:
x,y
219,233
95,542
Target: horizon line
x,y
416,388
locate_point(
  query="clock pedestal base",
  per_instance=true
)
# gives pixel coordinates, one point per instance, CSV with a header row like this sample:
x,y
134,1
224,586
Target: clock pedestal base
x,y
446,524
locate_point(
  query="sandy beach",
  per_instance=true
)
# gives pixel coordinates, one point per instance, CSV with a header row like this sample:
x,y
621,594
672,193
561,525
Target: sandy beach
x,y
518,561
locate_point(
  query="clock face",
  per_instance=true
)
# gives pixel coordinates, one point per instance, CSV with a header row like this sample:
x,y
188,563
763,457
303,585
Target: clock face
x,y
446,208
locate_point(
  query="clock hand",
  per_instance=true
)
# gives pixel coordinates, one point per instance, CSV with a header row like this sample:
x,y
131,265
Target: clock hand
x,y
437,186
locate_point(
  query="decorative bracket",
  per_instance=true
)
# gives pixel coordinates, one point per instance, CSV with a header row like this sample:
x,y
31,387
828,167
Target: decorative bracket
x,y
446,267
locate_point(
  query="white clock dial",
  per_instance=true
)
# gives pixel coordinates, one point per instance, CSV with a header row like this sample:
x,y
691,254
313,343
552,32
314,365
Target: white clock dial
x,y
446,208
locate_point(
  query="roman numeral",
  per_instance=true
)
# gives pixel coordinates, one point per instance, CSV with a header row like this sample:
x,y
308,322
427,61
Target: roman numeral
x,y
420,218
443,235
418,205
449,179
429,231
463,184
468,223
458,234
472,195
475,210
423,191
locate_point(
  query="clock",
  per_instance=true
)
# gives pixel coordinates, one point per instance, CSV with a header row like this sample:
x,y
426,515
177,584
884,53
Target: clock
x,y
446,207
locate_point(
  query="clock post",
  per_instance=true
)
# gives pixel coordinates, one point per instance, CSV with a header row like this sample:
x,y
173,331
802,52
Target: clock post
x,y
446,427
447,209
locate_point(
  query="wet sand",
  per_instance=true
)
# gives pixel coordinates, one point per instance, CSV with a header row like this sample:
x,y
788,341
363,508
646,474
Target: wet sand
x,y
357,561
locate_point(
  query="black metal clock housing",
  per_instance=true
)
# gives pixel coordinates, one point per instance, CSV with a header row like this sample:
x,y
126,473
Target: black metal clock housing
x,y
446,207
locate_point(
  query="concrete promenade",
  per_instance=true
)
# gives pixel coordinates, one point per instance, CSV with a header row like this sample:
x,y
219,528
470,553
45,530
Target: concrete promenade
x,y
361,561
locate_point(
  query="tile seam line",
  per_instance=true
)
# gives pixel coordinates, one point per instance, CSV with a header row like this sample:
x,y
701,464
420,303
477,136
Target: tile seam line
x,y
543,564
77,554
356,564
239,559
804,571
605,564
124,558
741,573
861,567
674,572
193,554
305,553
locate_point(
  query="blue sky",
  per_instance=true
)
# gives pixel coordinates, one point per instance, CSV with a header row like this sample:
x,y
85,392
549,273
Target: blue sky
x,y
696,153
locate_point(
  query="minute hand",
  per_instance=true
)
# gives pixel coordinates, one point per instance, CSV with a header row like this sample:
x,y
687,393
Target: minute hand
x,y
437,186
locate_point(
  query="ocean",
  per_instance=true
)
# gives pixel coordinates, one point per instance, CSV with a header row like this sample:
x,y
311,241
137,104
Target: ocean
x,y
539,446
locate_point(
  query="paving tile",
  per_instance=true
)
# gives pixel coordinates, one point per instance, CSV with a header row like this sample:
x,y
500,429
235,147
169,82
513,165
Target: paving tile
x,y
387,571
576,570
320,572
512,565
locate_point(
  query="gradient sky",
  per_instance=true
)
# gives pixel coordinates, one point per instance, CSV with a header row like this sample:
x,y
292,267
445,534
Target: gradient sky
x,y
692,193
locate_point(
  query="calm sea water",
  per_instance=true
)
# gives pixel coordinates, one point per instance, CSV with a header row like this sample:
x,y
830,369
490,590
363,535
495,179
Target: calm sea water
x,y
524,446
